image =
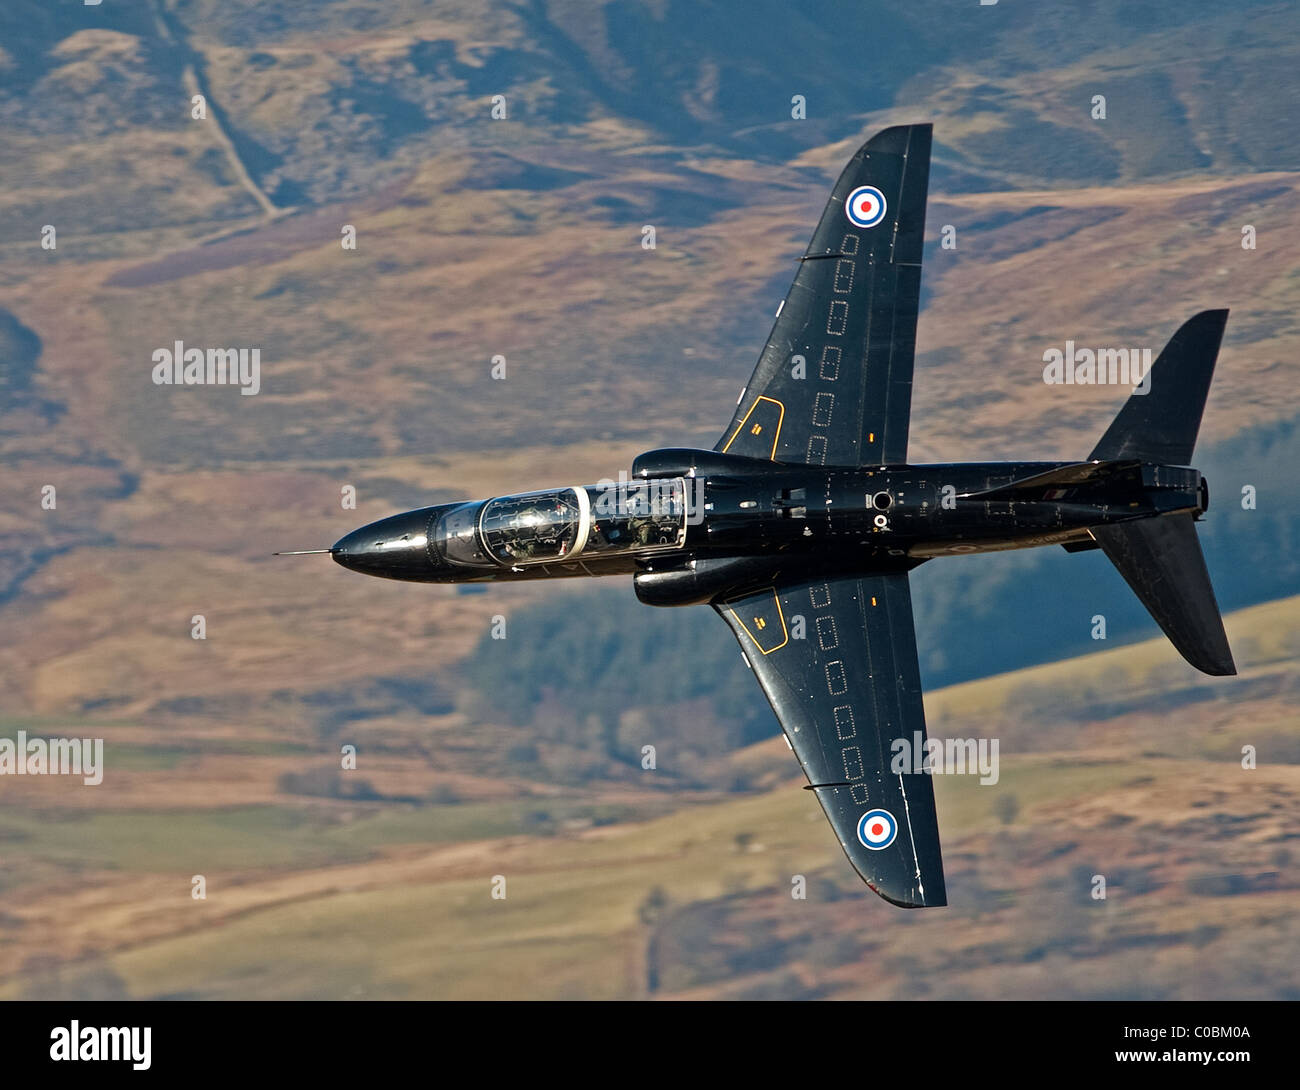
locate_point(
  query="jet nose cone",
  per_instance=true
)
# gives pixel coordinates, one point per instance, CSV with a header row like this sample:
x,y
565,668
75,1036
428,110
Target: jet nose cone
x,y
350,547
395,547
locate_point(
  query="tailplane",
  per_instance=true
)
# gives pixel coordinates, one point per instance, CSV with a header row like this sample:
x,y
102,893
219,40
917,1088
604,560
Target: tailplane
x,y
1161,560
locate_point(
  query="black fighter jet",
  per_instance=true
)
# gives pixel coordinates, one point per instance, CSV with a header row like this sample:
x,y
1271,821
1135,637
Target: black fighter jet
x,y
800,526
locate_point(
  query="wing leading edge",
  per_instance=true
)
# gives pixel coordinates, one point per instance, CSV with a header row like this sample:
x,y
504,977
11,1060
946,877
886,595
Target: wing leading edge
x,y
843,694
833,385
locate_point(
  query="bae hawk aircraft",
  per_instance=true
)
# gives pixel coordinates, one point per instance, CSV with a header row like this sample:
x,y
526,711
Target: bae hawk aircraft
x,y
807,506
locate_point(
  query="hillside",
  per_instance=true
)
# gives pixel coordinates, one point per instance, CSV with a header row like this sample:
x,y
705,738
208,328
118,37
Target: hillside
x,y
363,898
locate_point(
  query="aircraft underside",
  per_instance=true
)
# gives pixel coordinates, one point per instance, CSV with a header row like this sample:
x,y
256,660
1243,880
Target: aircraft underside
x,y
808,507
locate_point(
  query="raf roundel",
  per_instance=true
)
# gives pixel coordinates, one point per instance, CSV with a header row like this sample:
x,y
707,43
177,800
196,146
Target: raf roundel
x,y
865,206
877,829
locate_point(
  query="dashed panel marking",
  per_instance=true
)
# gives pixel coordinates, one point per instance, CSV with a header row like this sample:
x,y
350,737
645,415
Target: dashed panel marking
x,y
823,406
845,725
852,763
837,682
843,283
838,318
828,637
830,366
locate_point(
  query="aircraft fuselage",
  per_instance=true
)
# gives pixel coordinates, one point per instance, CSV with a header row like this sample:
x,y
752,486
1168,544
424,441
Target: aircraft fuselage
x,y
691,525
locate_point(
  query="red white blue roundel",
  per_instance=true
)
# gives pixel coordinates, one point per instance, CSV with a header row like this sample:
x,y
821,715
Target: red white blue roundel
x,y
865,206
877,829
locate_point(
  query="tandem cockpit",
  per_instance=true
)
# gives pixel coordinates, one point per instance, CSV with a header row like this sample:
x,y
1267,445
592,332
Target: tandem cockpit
x,y
565,525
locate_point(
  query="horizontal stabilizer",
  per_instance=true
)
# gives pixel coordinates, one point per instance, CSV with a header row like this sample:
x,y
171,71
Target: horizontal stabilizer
x,y
1160,558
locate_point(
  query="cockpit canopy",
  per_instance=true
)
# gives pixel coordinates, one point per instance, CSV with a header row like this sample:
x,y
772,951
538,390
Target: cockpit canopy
x,y
560,525
533,527
635,515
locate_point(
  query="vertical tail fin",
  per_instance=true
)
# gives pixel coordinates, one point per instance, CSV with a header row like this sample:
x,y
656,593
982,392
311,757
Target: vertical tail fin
x,y
1161,560
1160,424
1160,557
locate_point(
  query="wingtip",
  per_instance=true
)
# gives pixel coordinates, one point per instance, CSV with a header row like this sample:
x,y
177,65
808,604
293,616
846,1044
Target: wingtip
x,y
938,899
897,138
1215,317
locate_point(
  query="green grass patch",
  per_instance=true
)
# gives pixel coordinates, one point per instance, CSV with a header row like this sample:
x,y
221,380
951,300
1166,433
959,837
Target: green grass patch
x,y
194,842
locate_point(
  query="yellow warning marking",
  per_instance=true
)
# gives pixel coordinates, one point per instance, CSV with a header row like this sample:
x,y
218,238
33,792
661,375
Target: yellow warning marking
x,y
871,437
785,633
760,623
873,601
758,427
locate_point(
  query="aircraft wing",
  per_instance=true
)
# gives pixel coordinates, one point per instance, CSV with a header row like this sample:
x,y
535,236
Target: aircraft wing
x,y
843,693
833,385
